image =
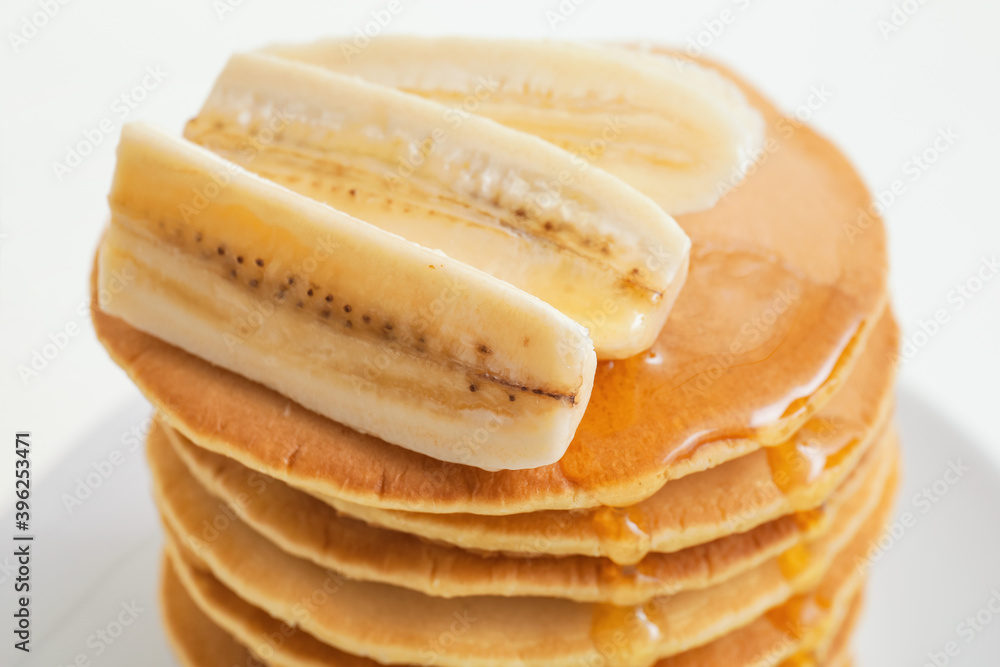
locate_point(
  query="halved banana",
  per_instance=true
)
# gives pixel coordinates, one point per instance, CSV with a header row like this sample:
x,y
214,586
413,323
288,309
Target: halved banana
x,y
501,200
358,324
675,130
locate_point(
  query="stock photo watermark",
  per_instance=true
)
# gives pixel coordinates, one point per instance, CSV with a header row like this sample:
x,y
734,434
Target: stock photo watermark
x,y
913,169
966,631
31,25
900,14
220,179
462,621
752,331
922,503
454,116
46,353
41,357
818,96
104,637
364,34
121,109
223,8
562,12
957,298
712,29
22,541
97,474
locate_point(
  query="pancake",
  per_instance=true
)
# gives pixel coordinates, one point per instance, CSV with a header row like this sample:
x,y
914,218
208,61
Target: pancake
x,y
778,305
764,644
843,660
836,650
310,529
735,496
195,639
793,633
196,636
392,624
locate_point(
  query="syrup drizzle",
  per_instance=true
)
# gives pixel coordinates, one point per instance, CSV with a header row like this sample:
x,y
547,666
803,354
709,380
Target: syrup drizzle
x,y
618,579
801,659
821,445
809,521
625,636
801,615
696,384
795,561
623,533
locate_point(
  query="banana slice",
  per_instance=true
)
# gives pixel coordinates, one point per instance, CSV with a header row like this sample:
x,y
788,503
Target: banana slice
x,y
674,130
353,322
501,200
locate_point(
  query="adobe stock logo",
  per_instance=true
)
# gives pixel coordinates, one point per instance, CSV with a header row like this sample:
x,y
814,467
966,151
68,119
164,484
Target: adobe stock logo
x,y
713,28
957,298
901,14
123,107
33,24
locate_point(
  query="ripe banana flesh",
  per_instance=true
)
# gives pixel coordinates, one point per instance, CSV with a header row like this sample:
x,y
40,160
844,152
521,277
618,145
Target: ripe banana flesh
x,y
353,322
675,130
498,199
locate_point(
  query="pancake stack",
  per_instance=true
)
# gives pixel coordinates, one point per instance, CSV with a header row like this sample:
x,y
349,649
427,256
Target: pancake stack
x,y
715,507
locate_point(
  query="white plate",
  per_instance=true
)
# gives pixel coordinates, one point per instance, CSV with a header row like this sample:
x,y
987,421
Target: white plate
x,y
944,566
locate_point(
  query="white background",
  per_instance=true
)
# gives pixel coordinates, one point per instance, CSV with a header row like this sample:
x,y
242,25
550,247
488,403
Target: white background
x,y
891,94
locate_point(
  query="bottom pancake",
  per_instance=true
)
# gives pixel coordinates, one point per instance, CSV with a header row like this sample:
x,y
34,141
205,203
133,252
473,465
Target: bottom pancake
x,y
199,640
194,638
837,651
